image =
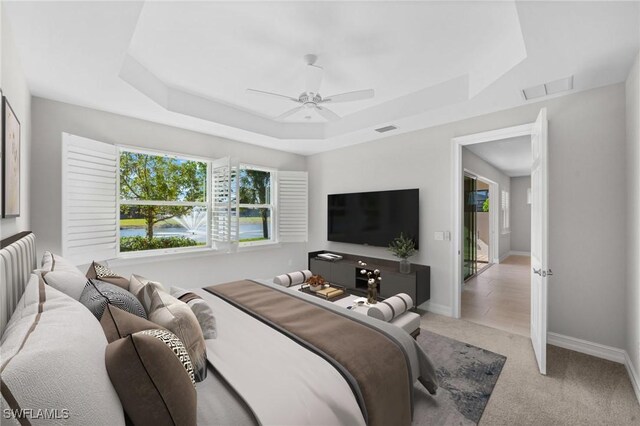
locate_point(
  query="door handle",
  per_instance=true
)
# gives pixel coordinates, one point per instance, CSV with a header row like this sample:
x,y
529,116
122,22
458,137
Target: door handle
x,y
542,273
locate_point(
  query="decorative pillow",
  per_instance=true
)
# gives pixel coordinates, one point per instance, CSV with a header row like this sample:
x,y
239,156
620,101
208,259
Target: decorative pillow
x,y
137,285
98,294
391,308
200,308
293,278
53,359
105,274
62,275
177,317
153,375
117,323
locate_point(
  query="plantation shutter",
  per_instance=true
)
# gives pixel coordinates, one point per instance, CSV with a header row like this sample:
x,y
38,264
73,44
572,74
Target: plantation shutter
x,y
89,205
224,204
292,206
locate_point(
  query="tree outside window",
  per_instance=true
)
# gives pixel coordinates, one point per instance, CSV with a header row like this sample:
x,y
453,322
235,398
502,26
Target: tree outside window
x,y
162,202
256,209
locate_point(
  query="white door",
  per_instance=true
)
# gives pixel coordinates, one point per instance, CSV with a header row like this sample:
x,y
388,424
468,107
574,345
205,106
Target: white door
x,y
539,240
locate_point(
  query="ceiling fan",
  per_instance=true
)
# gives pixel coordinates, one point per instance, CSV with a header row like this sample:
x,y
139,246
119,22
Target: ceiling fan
x,y
312,100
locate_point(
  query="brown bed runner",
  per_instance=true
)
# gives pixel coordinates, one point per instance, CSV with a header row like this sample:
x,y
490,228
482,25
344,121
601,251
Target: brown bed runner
x,y
376,364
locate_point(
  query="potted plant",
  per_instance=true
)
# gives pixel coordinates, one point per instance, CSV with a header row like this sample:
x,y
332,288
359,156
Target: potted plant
x,y
403,248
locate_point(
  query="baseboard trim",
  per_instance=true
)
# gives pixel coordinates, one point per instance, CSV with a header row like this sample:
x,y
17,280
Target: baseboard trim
x,y
633,375
590,348
600,351
519,253
436,309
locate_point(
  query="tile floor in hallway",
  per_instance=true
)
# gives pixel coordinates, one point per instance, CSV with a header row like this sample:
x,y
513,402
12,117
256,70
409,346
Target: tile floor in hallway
x,y
499,297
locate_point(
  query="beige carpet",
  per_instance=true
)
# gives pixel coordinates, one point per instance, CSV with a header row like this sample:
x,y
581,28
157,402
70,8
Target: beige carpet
x,y
578,390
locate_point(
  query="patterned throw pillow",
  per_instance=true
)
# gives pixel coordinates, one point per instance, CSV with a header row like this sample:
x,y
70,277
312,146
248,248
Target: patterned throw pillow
x,y
173,343
98,294
152,373
103,273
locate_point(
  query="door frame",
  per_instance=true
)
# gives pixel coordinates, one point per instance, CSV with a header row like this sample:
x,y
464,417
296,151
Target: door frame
x,y
457,180
494,214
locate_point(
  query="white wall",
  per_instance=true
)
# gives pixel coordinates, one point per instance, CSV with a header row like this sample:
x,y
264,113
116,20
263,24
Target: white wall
x,y
520,214
14,87
586,151
633,214
51,118
476,165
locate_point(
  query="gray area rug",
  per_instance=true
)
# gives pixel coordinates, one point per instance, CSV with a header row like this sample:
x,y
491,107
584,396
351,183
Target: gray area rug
x,y
467,375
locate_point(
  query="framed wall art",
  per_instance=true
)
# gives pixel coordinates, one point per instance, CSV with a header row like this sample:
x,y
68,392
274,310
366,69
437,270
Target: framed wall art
x,y
10,161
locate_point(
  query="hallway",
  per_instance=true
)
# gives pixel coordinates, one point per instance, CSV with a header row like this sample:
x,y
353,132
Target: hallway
x,y
500,296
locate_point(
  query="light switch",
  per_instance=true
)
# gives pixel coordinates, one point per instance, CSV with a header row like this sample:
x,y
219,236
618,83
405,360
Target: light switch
x,y
439,236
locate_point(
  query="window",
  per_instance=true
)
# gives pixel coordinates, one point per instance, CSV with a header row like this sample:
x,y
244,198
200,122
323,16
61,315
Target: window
x,y
505,210
256,205
163,202
119,201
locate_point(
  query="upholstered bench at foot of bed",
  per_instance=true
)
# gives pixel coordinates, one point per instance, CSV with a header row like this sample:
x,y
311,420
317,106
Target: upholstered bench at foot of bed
x,y
408,321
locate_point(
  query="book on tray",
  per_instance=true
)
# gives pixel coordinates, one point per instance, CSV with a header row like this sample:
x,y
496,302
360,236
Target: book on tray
x,y
330,292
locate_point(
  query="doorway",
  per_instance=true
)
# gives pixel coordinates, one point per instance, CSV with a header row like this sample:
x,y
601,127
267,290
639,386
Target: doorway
x,y
538,272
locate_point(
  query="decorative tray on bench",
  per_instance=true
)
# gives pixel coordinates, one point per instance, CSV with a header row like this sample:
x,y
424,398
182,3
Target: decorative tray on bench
x,y
325,294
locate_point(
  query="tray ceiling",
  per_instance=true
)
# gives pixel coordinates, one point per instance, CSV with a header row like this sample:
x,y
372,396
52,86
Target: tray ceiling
x,y
188,64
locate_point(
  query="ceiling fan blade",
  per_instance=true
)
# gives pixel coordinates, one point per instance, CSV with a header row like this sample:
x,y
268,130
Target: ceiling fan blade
x,y
289,113
358,95
313,78
277,95
327,113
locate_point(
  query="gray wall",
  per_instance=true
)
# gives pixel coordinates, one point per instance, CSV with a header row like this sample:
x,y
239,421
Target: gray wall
x,y
51,118
586,151
520,214
476,165
14,87
633,214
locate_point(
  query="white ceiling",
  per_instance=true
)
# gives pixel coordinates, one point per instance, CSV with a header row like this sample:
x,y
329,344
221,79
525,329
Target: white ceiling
x,y
187,64
511,156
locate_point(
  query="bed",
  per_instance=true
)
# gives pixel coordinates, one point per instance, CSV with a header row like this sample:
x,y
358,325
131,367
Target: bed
x,y
279,357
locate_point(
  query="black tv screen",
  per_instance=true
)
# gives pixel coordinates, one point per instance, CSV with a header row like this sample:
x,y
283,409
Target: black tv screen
x,y
373,218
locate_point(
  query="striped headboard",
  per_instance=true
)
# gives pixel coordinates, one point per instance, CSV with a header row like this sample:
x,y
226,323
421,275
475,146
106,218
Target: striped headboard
x,y
17,261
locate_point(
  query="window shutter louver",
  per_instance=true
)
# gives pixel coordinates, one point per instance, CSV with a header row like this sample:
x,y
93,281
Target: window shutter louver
x,y
292,206
89,205
224,204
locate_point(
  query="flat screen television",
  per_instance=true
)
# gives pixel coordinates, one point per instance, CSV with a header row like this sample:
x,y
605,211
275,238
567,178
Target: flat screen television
x,y
373,218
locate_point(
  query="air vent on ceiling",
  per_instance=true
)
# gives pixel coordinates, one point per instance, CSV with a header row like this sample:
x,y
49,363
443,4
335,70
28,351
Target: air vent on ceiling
x,y
550,88
386,129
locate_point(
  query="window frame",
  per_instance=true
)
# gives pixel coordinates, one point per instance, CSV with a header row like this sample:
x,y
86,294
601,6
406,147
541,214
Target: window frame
x,y
272,206
207,203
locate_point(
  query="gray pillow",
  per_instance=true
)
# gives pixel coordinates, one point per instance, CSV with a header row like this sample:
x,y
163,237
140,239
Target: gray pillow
x,y
98,294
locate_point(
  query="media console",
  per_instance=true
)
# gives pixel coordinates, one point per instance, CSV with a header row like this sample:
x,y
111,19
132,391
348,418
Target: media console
x,y
346,272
